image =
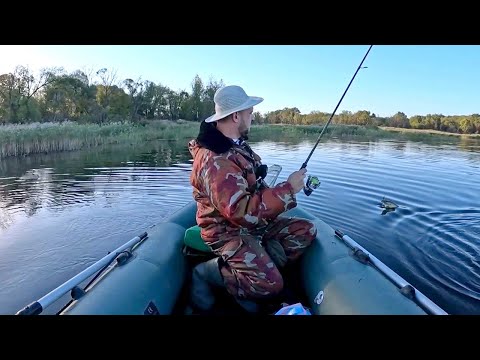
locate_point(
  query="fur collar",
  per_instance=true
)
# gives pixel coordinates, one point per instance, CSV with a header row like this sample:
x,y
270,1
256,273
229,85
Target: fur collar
x,y
212,139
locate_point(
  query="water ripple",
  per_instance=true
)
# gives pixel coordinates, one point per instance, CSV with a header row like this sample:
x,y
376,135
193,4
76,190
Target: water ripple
x,y
62,212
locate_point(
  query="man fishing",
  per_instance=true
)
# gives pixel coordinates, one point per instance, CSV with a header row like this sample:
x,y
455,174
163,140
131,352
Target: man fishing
x,y
239,215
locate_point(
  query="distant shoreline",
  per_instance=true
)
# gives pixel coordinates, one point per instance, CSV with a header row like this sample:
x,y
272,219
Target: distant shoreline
x,y
425,131
22,140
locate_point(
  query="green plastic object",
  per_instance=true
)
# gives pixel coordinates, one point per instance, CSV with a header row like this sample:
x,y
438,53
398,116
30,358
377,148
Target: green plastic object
x,y
194,240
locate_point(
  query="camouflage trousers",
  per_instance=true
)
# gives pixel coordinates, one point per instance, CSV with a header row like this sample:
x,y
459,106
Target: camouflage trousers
x,y
248,270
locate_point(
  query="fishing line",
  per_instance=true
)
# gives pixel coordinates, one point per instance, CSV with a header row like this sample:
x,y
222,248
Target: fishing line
x,y
313,182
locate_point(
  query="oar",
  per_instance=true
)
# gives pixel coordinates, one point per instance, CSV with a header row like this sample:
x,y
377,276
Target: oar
x,y
405,288
41,304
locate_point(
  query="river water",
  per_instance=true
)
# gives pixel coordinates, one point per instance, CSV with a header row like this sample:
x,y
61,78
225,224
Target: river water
x,y
59,213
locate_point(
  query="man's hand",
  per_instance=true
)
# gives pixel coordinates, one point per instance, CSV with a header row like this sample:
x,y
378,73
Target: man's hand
x,y
296,179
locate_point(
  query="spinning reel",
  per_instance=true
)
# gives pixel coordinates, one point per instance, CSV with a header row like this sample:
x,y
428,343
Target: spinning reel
x,y
311,184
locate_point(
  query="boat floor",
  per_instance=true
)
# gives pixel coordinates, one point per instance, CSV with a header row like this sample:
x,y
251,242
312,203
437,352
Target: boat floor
x,y
226,305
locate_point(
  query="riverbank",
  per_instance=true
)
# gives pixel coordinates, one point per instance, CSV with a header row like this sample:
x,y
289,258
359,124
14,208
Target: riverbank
x,y
427,131
22,140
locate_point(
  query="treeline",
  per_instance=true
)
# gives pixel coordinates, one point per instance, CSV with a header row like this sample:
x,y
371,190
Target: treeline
x,y
465,124
99,97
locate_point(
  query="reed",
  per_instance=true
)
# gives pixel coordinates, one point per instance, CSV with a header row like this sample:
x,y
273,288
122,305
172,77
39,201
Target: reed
x,y
344,132
22,140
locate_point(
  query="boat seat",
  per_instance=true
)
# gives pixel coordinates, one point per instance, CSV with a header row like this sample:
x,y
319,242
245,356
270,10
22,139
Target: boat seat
x,y
194,240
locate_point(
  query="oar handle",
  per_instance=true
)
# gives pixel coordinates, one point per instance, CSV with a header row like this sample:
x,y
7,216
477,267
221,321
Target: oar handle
x,y
41,304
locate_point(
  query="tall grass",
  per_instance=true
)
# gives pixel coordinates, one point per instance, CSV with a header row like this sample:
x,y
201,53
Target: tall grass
x,y
21,140
303,132
339,131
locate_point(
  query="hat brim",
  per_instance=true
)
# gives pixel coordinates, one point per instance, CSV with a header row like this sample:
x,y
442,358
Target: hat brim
x,y
251,102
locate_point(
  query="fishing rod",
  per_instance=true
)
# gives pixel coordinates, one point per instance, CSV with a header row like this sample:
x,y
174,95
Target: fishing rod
x,y
312,181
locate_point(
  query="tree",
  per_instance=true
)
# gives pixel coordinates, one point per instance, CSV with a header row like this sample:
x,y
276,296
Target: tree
x,y
136,92
197,97
108,80
208,95
399,120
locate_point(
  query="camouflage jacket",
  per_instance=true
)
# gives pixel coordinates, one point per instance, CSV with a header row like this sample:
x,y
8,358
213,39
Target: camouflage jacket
x,y
225,187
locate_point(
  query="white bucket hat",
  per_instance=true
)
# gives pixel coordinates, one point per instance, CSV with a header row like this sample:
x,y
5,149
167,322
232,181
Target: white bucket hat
x,y
230,99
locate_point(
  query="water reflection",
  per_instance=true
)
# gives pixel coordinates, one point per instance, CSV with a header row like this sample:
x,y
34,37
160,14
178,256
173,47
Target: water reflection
x,y
60,180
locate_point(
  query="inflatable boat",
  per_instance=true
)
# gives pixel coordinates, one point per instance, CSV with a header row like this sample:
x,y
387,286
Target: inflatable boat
x,y
149,275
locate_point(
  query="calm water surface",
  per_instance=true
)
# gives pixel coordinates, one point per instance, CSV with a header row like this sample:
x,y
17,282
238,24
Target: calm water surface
x,y
59,213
